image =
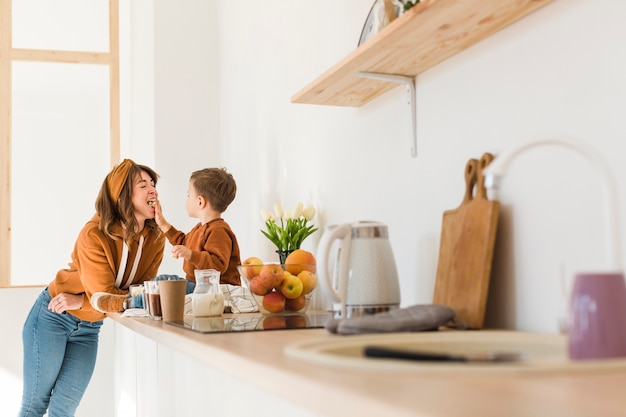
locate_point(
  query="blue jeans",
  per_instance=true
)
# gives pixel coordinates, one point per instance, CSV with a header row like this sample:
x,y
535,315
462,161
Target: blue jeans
x,y
59,357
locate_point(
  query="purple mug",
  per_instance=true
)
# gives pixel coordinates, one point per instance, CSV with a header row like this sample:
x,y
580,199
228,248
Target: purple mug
x,y
598,316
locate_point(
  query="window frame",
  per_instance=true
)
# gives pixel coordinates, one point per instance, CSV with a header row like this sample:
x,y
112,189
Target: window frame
x,y
8,55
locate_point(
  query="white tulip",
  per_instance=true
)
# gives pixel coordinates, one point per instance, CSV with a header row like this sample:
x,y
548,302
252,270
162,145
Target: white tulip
x,y
309,212
297,212
278,211
288,214
266,216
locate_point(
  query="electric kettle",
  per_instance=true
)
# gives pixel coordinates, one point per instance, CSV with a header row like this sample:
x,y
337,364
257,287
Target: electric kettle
x,y
357,268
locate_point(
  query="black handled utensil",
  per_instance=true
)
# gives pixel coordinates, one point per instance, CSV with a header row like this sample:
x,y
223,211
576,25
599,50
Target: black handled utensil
x,y
391,353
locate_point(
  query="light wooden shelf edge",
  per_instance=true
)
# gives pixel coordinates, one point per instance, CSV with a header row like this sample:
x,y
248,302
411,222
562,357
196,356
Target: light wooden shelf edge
x,y
424,36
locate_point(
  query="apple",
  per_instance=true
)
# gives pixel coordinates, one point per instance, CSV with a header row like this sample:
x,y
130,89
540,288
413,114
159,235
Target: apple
x,y
291,287
299,260
295,304
257,287
252,267
271,276
309,281
274,302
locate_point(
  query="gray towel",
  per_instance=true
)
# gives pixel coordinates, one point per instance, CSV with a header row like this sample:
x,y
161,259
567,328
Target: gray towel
x,y
415,318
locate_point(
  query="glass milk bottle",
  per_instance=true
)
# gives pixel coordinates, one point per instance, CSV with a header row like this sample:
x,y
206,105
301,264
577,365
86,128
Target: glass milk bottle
x,y
207,298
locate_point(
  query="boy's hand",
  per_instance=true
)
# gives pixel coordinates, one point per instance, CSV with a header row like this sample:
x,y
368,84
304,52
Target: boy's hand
x,y
158,217
180,251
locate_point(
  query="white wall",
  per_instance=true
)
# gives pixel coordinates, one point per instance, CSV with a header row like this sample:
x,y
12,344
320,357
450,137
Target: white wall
x,y
559,70
227,70
555,71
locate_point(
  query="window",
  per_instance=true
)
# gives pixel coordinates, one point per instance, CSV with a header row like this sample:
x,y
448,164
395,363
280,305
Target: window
x,y
59,127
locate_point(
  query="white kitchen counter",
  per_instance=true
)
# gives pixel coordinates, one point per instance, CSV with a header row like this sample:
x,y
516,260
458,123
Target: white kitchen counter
x,y
257,359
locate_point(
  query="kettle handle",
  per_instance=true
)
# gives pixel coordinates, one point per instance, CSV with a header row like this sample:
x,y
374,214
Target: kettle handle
x,y
343,233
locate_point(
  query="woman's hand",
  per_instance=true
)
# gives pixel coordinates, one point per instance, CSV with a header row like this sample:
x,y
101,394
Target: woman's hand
x,y
64,301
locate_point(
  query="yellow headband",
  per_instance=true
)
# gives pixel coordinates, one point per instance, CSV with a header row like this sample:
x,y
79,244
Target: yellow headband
x,y
117,178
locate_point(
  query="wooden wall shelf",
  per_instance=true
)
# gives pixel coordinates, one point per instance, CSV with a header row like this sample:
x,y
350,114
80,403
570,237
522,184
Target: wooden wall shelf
x,y
424,36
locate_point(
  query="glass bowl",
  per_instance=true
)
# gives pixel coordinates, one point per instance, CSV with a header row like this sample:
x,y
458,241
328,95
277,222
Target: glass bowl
x,y
280,289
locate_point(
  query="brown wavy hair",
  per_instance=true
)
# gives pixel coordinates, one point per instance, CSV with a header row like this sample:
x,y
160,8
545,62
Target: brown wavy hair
x,y
122,211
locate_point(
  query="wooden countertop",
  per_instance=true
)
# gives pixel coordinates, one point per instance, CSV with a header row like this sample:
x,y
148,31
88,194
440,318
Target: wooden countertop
x,y
258,358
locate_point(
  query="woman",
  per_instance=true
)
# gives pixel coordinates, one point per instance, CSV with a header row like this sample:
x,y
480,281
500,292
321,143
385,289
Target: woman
x,y
121,245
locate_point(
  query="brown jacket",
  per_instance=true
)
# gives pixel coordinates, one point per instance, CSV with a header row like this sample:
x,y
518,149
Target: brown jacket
x,y
95,262
213,246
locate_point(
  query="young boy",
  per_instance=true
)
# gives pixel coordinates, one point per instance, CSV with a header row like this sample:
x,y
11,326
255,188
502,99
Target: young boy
x,y
211,244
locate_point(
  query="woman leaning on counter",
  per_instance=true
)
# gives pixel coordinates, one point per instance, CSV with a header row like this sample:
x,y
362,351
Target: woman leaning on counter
x,y
121,245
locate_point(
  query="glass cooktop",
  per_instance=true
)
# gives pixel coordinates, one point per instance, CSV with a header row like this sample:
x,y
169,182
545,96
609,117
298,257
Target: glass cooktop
x,y
252,322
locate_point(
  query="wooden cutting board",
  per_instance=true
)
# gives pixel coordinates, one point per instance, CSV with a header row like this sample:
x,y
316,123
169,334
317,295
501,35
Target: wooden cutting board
x,y
468,235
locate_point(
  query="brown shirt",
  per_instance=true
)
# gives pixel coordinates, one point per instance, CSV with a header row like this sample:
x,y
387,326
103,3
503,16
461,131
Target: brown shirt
x,y
213,245
95,264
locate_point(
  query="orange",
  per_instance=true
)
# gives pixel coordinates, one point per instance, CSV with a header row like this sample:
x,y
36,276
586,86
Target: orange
x,y
300,260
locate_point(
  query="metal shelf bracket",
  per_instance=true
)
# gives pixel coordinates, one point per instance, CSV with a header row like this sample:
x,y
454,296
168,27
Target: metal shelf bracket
x,y
409,82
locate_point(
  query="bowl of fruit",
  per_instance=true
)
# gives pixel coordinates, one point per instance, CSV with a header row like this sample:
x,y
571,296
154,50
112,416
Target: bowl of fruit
x,y
280,289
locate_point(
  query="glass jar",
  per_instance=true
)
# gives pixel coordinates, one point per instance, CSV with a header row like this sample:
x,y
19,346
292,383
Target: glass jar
x,y
207,298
